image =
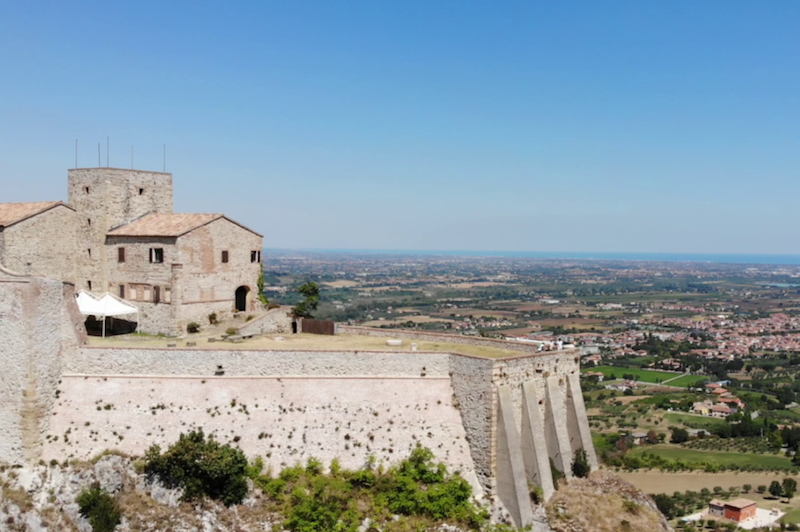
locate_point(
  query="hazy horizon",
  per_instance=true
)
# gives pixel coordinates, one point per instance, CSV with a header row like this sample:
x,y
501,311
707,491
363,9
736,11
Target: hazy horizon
x,y
726,258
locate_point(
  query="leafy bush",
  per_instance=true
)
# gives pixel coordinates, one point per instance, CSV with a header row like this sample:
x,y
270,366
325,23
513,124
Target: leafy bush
x,y
201,467
212,318
416,489
193,327
231,331
580,464
100,508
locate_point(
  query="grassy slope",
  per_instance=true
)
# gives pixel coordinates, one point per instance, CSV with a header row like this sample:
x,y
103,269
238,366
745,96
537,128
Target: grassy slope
x,y
688,380
690,420
674,452
643,374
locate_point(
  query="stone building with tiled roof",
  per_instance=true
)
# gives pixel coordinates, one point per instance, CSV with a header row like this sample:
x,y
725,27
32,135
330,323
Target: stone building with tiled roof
x,y
119,234
38,238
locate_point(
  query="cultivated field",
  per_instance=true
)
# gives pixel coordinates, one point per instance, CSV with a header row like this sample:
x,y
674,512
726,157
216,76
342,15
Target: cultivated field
x,y
694,421
688,380
657,482
643,375
674,452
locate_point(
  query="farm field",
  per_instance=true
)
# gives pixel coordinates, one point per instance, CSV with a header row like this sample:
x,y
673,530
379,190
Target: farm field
x,y
656,482
688,380
643,375
700,422
673,452
663,482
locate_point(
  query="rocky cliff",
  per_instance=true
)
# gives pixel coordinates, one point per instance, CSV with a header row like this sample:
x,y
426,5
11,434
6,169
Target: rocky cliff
x,y
43,499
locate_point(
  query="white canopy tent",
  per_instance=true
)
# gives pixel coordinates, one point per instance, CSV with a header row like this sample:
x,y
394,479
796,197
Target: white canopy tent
x,y
105,305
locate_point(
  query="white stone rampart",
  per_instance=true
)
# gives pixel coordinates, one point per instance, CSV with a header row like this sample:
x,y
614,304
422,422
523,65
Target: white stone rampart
x,y
534,445
244,362
283,419
36,328
66,400
512,485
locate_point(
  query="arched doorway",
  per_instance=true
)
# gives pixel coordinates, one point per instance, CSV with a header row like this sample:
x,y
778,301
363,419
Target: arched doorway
x,y
241,298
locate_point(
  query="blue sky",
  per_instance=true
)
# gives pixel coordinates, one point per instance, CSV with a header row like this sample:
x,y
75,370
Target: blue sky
x,y
541,126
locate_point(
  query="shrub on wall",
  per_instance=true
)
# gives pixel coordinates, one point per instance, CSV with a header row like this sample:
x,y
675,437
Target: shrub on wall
x,y
201,467
100,508
414,495
580,464
193,327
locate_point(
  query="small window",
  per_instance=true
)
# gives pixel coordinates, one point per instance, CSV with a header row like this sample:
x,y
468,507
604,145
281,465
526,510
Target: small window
x,y
89,251
156,294
156,255
141,191
89,222
167,295
133,293
86,190
255,256
224,256
120,254
89,284
145,293
122,291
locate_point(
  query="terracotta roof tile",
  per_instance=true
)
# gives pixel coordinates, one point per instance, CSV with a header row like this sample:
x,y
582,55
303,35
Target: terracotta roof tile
x,y
740,503
11,213
164,224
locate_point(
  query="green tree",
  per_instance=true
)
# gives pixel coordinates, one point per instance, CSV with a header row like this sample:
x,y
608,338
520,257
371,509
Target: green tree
x,y
201,467
100,508
775,489
580,464
665,504
789,487
761,489
310,291
679,435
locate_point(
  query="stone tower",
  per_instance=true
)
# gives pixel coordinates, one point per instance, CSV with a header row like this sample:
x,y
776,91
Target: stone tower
x,y
105,198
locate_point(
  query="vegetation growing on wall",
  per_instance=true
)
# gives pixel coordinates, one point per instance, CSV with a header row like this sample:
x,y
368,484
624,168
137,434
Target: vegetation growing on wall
x,y
422,492
419,490
260,284
201,467
100,508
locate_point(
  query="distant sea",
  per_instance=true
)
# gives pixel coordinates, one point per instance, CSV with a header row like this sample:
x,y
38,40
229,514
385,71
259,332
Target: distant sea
x,y
655,257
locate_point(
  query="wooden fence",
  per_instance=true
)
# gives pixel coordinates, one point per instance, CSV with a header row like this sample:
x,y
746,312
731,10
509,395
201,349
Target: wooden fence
x,y
318,326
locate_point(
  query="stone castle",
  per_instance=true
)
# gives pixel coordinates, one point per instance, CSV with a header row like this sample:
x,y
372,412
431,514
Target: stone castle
x,y
118,233
502,422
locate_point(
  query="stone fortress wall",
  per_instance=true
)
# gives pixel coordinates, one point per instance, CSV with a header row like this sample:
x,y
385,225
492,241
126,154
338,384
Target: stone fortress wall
x,y
498,421
39,323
